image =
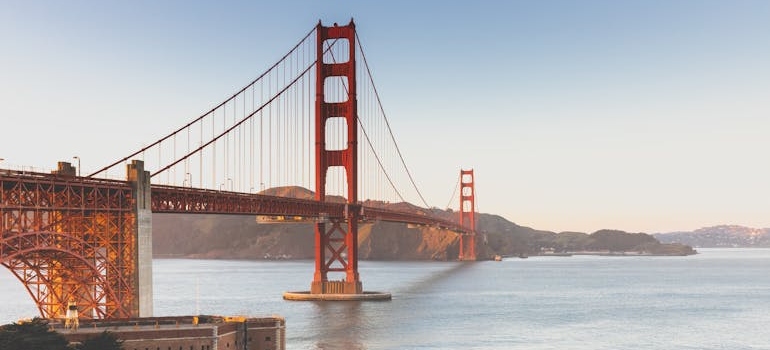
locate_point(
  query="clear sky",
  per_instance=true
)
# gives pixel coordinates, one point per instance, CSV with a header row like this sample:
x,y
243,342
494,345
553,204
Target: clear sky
x,y
644,116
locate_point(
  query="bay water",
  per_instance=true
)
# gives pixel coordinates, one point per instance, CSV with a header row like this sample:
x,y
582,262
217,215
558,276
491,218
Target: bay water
x,y
717,299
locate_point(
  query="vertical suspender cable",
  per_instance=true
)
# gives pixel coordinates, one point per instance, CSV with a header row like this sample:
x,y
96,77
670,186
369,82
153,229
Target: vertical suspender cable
x,y
295,128
173,174
368,140
251,142
200,159
226,151
284,123
397,150
270,136
302,61
261,137
238,177
234,156
213,154
187,163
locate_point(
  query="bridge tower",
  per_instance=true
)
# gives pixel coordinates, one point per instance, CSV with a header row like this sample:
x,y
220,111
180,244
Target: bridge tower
x,y
336,249
467,216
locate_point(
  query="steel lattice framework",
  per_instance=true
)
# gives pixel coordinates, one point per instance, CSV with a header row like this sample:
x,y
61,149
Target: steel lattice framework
x,y
68,238
73,238
171,199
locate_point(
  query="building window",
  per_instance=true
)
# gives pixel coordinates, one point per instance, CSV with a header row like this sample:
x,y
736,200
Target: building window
x,y
267,338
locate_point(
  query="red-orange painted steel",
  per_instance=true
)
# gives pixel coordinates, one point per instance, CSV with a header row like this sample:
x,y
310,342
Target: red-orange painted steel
x,y
69,238
170,199
342,251
467,215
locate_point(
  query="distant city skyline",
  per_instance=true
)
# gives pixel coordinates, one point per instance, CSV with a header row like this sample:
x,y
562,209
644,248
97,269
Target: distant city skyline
x,y
642,116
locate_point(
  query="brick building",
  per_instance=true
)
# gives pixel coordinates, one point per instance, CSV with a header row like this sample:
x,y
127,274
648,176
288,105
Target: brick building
x,y
186,332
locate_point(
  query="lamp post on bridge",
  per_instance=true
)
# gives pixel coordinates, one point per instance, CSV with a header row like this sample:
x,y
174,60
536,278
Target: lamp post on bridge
x,y
230,181
78,159
186,175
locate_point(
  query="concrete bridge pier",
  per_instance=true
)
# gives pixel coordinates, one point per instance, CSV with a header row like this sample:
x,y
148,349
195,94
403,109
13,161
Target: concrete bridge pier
x,y
141,303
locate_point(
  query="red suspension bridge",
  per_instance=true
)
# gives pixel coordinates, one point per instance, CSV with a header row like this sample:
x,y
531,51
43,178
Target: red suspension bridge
x,y
307,121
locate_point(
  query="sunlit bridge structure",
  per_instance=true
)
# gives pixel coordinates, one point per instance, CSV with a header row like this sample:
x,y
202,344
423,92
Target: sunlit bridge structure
x,y
307,122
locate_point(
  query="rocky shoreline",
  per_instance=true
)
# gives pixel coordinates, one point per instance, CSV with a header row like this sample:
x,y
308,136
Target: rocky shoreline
x,y
241,237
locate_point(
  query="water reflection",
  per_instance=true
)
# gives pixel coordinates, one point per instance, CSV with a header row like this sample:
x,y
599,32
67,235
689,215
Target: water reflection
x,y
435,278
375,324
340,325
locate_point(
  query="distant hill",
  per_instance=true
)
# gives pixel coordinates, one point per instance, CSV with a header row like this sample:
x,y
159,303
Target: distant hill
x,y
241,237
719,236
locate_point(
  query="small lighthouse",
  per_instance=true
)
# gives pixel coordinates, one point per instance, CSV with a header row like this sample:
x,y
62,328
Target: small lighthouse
x,y
71,321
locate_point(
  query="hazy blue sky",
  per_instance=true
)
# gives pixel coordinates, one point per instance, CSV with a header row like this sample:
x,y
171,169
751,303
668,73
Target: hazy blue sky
x,y
576,115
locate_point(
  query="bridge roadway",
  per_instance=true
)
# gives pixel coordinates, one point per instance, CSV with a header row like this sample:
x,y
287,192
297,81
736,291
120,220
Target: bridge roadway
x,y
173,199
66,236
42,191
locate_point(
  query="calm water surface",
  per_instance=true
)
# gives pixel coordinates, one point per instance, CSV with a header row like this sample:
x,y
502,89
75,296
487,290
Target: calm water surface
x,y
719,299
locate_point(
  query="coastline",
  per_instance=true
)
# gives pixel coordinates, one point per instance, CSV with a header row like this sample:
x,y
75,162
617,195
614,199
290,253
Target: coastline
x,y
611,253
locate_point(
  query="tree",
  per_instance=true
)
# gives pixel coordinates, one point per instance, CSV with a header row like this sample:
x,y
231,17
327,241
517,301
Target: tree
x,y
103,341
31,335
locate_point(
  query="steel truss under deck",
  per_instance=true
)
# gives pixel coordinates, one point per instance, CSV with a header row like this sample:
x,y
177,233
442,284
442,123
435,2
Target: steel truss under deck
x,y
68,238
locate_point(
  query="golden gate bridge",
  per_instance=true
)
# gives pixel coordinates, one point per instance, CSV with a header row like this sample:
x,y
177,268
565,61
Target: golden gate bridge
x,y
307,121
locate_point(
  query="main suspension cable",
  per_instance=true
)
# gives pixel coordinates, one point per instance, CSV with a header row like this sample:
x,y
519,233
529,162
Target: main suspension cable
x,y
210,111
226,131
457,185
387,123
368,140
